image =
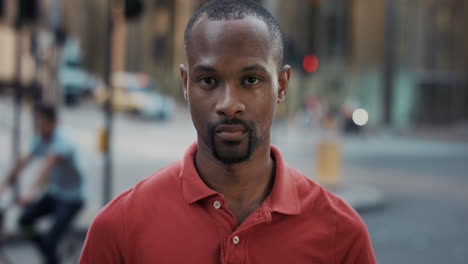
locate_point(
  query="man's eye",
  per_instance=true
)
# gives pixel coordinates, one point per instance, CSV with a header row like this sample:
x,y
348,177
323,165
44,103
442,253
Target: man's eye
x,y
207,81
251,80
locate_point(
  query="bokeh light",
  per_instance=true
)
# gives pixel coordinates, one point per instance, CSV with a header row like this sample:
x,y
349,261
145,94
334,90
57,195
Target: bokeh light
x,y
360,117
310,63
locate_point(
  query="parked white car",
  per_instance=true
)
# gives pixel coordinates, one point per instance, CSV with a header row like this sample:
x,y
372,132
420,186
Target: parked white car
x,y
135,93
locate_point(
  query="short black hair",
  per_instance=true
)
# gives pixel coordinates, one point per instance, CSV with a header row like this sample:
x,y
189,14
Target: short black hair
x,y
47,111
235,10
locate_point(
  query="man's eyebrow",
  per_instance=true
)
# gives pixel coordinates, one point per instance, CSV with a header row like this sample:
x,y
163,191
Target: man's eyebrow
x,y
204,68
254,68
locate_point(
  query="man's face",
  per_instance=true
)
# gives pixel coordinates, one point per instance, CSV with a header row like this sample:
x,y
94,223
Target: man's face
x,y
232,84
44,127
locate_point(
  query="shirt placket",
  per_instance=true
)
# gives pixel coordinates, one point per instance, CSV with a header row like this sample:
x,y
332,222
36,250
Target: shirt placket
x,y
234,239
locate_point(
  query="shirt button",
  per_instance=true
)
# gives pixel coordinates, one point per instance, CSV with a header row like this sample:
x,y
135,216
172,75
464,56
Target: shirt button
x,y
217,205
235,240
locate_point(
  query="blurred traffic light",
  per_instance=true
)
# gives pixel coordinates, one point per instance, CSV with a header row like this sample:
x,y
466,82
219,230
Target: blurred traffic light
x,y
1,8
27,11
133,9
310,63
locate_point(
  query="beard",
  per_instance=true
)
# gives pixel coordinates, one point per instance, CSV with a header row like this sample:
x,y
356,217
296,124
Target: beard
x,y
236,151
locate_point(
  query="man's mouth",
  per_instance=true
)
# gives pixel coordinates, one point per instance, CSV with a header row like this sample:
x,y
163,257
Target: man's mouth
x,y
231,132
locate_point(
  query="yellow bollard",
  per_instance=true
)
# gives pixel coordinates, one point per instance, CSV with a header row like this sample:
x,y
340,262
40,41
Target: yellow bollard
x,y
102,140
328,153
328,163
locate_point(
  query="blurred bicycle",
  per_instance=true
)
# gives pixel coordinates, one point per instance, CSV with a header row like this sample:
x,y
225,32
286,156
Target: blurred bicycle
x,y
68,250
58,189
3,256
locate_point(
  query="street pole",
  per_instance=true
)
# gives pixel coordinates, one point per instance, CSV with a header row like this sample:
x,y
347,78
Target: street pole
x,y
17,98
108,109
389,61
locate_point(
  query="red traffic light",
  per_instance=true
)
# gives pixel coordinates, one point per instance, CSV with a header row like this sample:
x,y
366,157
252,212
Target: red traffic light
x,y
310,63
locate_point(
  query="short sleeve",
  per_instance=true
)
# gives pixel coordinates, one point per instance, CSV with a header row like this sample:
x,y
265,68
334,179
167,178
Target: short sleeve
x,y
60,147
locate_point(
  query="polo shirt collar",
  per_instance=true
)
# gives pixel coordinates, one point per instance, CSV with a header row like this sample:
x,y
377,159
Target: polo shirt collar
x,y
193,188
282,199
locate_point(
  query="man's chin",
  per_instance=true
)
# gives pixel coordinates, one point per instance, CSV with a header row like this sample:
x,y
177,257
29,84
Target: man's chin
x,y
232,159
231,143
231,152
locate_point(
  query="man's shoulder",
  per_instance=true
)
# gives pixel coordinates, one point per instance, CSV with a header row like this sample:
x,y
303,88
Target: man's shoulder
x,y
61,142
317,200
112,226
158,184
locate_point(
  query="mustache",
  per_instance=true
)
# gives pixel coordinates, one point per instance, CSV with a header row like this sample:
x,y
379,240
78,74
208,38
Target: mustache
x,y
232,121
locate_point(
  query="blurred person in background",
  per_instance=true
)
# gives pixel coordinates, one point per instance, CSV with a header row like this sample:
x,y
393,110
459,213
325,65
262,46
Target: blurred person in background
x,y
58,189
232,198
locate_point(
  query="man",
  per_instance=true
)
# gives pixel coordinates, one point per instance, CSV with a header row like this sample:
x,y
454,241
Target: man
x,y
58,189
232,199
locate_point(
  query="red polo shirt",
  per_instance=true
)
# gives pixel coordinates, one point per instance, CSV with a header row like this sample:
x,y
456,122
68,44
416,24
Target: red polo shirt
x,y
173,217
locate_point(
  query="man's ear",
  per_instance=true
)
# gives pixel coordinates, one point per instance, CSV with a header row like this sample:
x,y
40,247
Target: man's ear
x,y
184,77
283,82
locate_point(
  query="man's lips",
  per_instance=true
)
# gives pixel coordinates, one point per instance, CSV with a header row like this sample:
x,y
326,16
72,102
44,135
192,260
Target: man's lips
x,y
230,128
230,132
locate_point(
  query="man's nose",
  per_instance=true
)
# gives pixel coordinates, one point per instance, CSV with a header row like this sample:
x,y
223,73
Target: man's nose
x,y
230,103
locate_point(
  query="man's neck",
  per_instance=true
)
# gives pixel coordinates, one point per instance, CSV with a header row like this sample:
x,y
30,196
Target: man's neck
x,y
244,185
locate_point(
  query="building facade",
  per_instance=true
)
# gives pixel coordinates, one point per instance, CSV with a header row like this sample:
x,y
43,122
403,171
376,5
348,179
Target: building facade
x,y
408,61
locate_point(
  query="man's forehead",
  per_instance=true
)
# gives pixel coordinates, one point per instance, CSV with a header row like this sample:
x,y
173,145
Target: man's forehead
x,y
248,21
248,37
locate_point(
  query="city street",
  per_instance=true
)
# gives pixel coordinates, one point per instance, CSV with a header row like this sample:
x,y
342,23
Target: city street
x,y
376,108
423,218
